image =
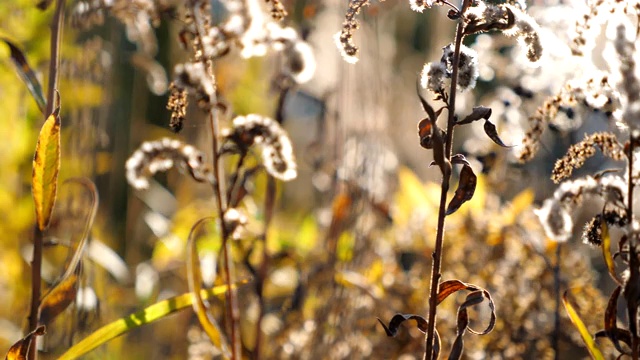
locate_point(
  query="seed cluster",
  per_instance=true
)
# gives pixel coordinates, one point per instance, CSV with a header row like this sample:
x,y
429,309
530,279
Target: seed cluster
x,y
580,152
344,38
156,156
555,211
277,153
177,104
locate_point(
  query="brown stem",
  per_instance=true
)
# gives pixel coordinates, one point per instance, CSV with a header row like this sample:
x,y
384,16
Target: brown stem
x,y
444,188
36,280
54,63
232,313
36,261
269,206
632,306
556,280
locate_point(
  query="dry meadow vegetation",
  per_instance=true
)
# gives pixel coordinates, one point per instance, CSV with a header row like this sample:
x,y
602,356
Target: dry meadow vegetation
x,y
319,179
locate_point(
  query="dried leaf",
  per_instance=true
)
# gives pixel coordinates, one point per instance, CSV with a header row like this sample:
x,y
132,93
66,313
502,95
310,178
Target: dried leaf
x,y
46,165
465,190
20,349
621,335
582,328
451,286
425,105
479,112
58,299
606,253
425,133
611,320
438,152
398,319
476,296
491,131
64,292
26,73
459,159
462,323
194,278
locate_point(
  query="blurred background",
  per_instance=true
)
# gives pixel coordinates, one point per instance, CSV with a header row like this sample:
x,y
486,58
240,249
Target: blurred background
x,y
364,203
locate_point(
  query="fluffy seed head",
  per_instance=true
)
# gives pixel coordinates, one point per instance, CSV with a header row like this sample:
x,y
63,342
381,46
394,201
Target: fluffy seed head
x,y
277,152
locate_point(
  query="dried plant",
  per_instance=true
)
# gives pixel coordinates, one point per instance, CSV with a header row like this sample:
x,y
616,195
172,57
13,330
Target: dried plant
x,y
249,30
270,276
456,71
615,194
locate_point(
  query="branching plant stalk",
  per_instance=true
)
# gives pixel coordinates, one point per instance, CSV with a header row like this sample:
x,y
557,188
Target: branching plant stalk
x,y
232,313
36,261
444,188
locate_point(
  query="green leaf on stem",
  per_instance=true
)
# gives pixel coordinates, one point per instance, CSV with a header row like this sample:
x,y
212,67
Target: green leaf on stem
x,y
150,314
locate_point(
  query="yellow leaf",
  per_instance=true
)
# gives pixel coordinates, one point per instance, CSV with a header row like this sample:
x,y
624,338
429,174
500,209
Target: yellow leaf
x,y
582,328
46,165
56,301
20,349
606,253
194,278
146,316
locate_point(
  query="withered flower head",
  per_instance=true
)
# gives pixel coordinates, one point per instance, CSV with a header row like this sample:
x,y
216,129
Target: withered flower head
x,y
162,155
580,152
278,12
555,220
527,30
344,38
555,211
193,76
433,75
421,5
177,104
277,152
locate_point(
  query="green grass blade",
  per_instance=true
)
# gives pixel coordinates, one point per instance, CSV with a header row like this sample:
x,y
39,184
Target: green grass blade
x,y
582,328
148,315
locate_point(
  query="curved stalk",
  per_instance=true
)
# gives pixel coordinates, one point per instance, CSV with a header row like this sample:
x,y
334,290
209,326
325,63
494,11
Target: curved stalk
x,y
36,261
232,313
446,177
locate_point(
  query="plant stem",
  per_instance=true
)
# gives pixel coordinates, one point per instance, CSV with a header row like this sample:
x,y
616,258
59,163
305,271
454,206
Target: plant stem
x,y
36,280
36,261
54,62
444,188
232,313
632,306
556,280
269,206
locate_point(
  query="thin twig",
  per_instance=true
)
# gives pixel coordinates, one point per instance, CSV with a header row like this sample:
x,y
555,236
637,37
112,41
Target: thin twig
x,y
556,280
232,313
437,254
269,206
36,261
632,307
